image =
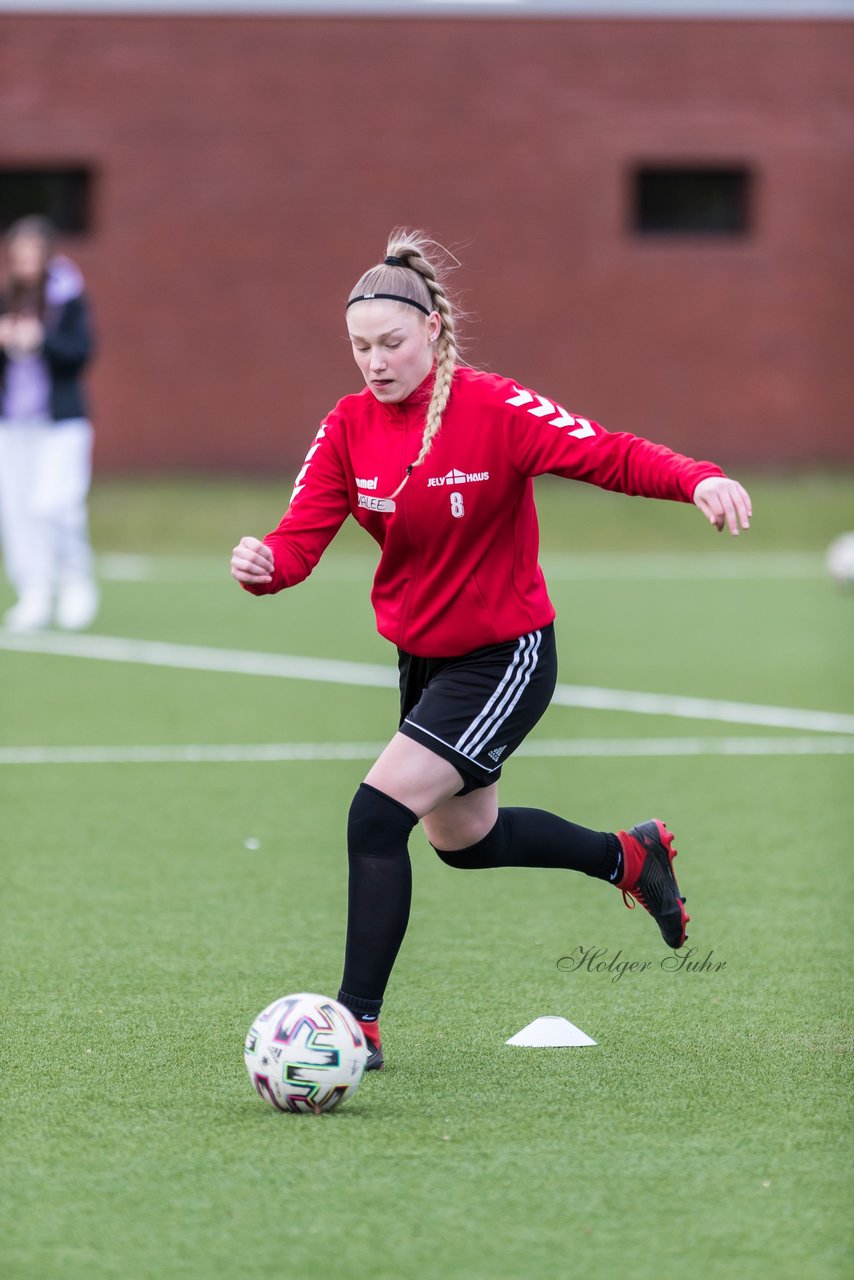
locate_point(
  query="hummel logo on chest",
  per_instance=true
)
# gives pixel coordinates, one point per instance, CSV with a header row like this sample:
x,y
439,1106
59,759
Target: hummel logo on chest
x,y
457,477
367,484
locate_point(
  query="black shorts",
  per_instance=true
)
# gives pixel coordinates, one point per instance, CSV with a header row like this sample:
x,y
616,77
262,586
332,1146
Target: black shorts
x,y
475,710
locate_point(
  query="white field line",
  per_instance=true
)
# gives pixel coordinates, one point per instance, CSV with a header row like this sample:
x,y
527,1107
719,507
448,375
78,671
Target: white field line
x,y
583,566
280,752
668,704
159,653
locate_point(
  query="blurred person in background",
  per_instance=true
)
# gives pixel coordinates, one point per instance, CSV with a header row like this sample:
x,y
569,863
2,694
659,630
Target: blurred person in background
x,y
45,434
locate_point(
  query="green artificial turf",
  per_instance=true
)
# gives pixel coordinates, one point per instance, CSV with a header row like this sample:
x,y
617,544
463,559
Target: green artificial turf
x,y
707,1133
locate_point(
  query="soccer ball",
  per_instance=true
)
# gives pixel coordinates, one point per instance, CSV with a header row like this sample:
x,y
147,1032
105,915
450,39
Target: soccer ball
x,y
305,1053
840,559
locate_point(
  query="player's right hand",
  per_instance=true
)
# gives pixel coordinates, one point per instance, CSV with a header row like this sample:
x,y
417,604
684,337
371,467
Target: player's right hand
x,y
252,562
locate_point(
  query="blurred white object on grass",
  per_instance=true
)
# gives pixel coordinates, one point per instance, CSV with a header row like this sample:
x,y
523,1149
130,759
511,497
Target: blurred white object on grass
x,y
840,559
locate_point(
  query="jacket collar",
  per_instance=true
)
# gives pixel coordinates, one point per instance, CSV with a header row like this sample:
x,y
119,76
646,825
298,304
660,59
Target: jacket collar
x,y
417,399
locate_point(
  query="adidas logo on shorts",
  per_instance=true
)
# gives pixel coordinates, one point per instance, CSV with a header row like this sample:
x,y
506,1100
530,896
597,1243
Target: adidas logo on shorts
x,y
497,753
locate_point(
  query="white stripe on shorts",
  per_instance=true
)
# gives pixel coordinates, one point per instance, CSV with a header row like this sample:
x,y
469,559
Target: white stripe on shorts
x,y
500,706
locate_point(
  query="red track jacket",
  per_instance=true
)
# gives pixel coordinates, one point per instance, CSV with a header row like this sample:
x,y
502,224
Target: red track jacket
x,y
459,566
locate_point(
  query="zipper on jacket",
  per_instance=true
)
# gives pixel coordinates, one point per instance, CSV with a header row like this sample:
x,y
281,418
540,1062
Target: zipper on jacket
x,y
404,608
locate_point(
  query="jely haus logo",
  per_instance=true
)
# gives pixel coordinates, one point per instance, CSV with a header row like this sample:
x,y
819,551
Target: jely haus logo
x,y
597,960
455,477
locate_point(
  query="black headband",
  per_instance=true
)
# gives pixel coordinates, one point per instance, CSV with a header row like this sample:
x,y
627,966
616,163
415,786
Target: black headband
x,y
392,261
392,297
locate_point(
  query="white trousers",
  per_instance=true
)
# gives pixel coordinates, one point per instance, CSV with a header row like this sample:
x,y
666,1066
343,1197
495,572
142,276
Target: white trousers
x,y
45,472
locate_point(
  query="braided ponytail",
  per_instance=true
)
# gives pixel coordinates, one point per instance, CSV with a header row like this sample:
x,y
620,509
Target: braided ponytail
x,y
417,278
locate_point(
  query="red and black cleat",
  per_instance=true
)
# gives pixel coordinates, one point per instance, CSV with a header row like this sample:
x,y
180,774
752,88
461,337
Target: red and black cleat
x,y
648,877
371,1032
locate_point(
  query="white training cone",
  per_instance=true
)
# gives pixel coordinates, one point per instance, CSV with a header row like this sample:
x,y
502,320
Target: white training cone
x,y
550,1032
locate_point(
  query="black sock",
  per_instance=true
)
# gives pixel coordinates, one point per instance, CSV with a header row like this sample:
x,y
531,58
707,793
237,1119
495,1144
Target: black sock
x,y
362,1010
535,838
380,890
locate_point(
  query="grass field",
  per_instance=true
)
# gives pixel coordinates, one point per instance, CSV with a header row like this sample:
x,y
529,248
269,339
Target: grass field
x,y
708,1133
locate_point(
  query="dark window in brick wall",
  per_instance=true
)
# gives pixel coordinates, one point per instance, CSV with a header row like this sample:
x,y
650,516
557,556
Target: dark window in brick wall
x,y
62,194
673,200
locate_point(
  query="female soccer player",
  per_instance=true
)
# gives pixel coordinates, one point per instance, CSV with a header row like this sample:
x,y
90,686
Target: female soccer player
x,y
436,461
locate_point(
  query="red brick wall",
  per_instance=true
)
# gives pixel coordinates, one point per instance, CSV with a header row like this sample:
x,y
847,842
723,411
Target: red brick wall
x,y
249,169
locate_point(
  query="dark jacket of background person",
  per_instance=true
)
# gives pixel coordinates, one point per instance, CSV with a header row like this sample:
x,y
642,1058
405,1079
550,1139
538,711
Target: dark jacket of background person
x,y
68,342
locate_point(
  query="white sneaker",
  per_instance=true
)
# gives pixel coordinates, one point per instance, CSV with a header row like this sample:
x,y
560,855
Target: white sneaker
x,y
77,605
31,613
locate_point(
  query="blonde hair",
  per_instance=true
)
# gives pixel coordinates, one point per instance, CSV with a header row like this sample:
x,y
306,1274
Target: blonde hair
x,y
418,280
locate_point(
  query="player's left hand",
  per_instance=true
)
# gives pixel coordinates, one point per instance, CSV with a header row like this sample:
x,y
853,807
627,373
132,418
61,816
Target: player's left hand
x,y
724,502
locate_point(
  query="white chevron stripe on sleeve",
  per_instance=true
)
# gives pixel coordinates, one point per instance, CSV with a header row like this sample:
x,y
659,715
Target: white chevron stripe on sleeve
x,y
544,408
583,430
